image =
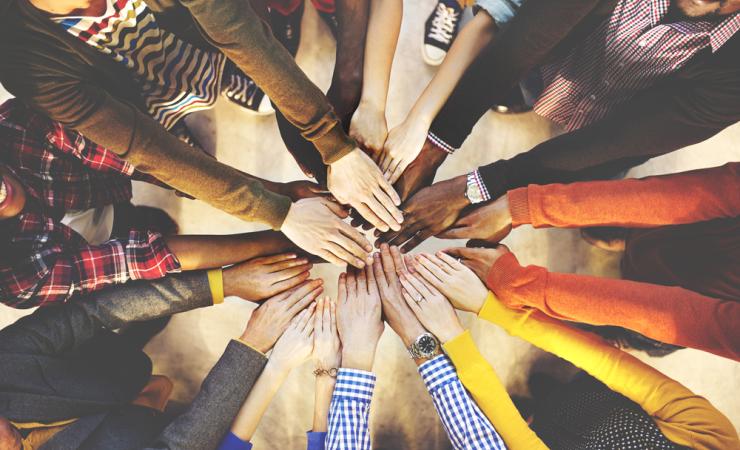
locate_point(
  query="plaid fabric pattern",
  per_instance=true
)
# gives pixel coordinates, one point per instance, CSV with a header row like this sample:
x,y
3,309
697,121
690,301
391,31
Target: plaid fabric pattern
x,y
349,410
627,53
466,426
43,261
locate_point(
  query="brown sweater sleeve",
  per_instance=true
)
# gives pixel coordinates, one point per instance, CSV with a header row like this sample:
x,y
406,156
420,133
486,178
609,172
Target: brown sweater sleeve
x,y
680,198
668,314
236,29
143,142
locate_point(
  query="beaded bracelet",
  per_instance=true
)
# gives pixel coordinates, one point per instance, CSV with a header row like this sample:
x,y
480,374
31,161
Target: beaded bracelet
x,y
331,372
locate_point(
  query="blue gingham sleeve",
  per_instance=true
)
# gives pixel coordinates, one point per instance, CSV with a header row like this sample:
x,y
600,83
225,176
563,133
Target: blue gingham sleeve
x,y
349,411
466,426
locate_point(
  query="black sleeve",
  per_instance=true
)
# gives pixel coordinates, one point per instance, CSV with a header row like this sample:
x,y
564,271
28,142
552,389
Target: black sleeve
x,y
691,106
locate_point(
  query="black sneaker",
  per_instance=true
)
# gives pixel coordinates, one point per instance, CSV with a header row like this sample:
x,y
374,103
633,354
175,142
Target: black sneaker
x,y
331,20
240,89
440,30
287,29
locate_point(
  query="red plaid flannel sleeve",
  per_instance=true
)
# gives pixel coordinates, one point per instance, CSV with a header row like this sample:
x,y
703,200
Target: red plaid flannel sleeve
x,y
54,274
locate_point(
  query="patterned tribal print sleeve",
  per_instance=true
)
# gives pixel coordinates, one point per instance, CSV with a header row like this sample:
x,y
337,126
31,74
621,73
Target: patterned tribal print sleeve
x,y
465,424
349,411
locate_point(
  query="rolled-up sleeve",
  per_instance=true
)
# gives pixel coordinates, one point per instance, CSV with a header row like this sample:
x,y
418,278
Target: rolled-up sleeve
x,y
502,11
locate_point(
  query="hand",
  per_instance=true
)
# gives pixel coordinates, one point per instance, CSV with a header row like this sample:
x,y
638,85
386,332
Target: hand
x,y
358,318
401,148
420,173
355,180
370,129
491,222
315,225
453,279
260,278
429,212
269,321
296,343
479,260
431,307
326,337
387,267
299,189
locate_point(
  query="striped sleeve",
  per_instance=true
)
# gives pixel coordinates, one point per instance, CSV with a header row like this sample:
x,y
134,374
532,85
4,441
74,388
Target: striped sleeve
x,y
349,411
466,426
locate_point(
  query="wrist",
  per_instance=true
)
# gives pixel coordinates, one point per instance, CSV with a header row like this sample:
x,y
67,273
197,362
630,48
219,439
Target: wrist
x,y
411,330
458,187
277,367
256,342
450,332
372,105
359,359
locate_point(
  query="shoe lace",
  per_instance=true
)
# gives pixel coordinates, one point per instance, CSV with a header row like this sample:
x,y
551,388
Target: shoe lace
x,y
443,24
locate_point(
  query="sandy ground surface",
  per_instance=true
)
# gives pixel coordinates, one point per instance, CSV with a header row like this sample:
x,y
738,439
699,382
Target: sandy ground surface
x,y
402,414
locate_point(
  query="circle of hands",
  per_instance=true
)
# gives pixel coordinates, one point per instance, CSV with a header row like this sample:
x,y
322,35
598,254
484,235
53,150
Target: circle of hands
x,y
412,294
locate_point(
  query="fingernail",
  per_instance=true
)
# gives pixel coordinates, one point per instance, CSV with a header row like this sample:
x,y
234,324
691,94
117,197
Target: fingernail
x,y
292,255
368,248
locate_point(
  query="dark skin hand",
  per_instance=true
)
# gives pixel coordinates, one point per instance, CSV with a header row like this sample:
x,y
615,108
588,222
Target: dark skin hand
x,y
428,213
479,256
420,173
346,84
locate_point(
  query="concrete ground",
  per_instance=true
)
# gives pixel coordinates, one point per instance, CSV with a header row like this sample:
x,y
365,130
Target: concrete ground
x,y
402,414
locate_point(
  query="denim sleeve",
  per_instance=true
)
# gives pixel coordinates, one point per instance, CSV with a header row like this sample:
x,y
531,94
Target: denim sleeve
x,y
316,440
232,442
502,11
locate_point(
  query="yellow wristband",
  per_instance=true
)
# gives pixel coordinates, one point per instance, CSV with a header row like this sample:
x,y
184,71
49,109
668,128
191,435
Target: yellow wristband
x,y
216,282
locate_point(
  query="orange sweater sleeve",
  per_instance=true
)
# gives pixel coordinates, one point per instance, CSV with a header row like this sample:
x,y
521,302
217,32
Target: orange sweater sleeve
x,y
668,314
679,198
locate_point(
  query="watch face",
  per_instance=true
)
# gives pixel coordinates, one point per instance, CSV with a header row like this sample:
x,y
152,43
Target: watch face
x,y
426,344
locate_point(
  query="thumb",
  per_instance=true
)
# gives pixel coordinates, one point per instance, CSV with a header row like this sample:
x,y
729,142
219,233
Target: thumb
x,y
480,243
336,208
460,252
455,233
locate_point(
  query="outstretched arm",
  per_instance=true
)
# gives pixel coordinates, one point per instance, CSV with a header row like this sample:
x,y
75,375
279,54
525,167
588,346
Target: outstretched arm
x,y
368,125
293,347
405,141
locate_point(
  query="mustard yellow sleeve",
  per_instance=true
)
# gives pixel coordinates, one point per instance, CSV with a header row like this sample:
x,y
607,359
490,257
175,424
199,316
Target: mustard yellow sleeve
x,y
489,393
684,417
216,283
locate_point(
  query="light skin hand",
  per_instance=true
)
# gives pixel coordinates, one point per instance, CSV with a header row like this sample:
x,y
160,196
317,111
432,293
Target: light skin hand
x,y
480,260
359,318
296,344
326,349
260,278
316,225
388,266
401,148
268,322
453,279
369,129
355,180
431,307
429,212
490,222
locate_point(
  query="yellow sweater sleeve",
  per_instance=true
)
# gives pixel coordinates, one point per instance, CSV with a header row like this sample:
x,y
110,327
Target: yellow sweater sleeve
x,y
489,393
682,416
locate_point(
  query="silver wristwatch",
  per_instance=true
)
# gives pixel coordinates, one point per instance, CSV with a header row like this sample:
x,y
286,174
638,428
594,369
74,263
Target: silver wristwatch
x,y
473,192
425,346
